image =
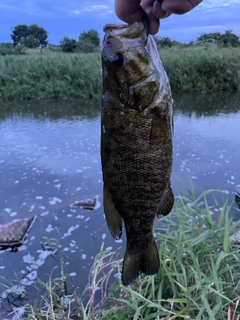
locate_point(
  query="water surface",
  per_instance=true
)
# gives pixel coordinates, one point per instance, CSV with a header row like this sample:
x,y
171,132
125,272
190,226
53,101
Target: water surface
x,y
49,159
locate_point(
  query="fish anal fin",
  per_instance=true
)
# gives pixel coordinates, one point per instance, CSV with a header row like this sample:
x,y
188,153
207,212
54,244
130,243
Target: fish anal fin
x,y
134,264
166,203
114,221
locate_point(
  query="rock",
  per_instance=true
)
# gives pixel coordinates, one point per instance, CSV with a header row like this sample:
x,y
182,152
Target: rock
x,y
14,233
236,238
88,204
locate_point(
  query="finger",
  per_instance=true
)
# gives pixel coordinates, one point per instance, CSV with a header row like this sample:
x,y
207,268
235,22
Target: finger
x,y
154,22
158,12
148,6
154,26
179,7
129,11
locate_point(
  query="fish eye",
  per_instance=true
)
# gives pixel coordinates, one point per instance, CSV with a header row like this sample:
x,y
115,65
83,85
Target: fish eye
x,y
119,59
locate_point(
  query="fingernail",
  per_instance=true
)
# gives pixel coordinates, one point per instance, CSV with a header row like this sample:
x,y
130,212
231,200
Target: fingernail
x,y
166,15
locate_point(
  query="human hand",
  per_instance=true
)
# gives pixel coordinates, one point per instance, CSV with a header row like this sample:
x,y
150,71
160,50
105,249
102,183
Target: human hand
x,y
131,11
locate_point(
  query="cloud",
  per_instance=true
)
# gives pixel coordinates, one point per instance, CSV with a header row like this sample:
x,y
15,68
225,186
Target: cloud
x,y
98,6
61,17
218,3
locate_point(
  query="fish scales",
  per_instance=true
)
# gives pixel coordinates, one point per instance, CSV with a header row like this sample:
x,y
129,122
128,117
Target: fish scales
x,y
136,143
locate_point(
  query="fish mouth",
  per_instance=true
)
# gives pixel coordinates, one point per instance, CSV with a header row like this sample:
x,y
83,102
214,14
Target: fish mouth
x,y
128,31
110,26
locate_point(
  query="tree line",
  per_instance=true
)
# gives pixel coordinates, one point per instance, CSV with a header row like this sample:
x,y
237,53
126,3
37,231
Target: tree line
x,y
88,41
227,39
34,36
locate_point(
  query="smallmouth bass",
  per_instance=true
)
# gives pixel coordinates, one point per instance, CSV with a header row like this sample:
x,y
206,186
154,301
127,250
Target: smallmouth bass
x,y
136,143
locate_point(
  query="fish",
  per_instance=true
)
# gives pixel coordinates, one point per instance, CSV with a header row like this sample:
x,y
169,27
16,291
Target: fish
x,y
136,143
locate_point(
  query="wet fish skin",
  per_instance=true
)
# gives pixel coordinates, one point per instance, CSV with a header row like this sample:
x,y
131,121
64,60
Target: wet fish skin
x,y
136,143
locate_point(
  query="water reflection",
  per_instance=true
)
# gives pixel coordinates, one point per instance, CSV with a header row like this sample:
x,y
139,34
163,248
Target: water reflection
x,y
50,159
207,105
52,110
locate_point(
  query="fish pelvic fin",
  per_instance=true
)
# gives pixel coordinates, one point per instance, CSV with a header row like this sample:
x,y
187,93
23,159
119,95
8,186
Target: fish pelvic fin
x,y
134,264
166,203
114,220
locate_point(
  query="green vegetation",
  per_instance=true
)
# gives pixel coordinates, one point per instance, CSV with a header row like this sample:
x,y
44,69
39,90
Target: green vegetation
x,y
164,42
55,75
198,279
202,69
207,65
7,48
48,74
68,45
88,41
228,39
31,36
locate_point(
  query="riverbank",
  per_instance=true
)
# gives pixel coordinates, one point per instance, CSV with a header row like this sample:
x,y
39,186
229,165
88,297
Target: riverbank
x,y
203,70
50,76
198,277
63,76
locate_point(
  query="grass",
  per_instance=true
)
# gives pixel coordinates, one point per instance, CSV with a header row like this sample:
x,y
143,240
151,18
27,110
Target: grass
x,y
60,75
55,75
199,276
202,70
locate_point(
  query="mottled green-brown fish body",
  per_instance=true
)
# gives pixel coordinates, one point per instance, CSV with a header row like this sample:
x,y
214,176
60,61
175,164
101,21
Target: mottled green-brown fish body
x,y
136,143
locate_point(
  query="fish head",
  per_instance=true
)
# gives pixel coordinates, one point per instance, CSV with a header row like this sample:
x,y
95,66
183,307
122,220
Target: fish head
x,y
128,55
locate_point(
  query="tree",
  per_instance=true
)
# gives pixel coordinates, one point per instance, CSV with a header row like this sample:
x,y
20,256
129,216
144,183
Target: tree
x,y
31,36
86,46
19,33
209,37
163,42
68,45
229,39
39,33
30,42
90,36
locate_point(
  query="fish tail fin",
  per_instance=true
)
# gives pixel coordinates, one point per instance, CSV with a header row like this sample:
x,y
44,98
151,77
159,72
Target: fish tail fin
x,y
146,262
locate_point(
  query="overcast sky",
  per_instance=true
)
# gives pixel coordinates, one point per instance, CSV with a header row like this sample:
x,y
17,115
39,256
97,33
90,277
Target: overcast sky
x,y
70,17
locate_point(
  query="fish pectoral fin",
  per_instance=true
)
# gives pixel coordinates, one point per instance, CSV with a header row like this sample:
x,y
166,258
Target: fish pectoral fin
x,y
114,220
159,128
134,264
166,203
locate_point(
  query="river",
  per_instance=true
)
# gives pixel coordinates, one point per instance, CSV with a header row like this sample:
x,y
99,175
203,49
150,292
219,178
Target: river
x,y
50,158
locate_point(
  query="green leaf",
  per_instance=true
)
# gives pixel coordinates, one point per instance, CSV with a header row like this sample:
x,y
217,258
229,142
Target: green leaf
x,y
200,238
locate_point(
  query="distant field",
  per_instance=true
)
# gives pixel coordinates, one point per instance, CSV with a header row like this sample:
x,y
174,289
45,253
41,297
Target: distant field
x,y
60,75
